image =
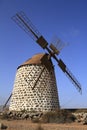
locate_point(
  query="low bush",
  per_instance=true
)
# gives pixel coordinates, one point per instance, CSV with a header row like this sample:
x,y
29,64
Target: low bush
x,y
35,120
58,116
4,116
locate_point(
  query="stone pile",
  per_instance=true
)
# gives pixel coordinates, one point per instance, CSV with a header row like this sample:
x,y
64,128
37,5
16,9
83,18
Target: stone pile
x,y
20,115
81,117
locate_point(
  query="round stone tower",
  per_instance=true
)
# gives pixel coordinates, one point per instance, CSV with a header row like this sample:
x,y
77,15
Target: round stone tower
x,y
35,86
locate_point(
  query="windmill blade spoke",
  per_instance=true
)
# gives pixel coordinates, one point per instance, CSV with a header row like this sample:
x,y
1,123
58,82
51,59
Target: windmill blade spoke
x,y
38,77
69,75
24,22
7,101
58,44
73,80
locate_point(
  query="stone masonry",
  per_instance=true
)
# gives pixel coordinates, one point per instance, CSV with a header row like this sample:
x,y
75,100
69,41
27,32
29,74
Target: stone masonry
x,y
35,86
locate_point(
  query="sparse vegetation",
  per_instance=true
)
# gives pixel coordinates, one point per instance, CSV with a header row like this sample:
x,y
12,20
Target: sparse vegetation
x,y
81,110
39,127
58,116
4,116
54,120
27,125
36,120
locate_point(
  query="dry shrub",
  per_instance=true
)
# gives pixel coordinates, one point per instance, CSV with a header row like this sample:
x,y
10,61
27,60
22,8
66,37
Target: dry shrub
x,y
4,116
58,116
81,110
39,127
35,120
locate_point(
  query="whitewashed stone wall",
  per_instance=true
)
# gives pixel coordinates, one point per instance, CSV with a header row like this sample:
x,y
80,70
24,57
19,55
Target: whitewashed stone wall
x,y
43,97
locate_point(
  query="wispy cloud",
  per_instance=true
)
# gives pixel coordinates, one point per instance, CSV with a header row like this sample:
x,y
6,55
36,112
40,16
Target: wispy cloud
x,y
74,32
71,33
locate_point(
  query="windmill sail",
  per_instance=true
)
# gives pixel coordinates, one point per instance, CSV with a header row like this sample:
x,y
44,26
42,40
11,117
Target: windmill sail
x,y
7,101
69,75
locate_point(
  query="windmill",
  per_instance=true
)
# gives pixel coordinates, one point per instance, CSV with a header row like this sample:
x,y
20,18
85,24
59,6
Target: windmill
x,y
44,66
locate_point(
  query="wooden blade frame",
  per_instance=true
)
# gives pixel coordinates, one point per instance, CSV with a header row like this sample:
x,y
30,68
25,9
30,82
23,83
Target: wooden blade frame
x,y
7,101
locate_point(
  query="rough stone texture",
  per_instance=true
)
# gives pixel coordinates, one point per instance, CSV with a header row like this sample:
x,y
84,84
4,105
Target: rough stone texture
x,y
35,87
81,117
22,115
19,115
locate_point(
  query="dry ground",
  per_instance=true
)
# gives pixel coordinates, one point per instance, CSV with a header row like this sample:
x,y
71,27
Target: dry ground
x,y
27,125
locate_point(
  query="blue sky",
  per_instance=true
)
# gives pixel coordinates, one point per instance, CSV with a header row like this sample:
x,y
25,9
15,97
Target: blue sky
x,y
67,19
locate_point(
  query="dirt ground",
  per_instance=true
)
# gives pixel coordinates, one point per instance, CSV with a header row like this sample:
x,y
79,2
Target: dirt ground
x,y
27,125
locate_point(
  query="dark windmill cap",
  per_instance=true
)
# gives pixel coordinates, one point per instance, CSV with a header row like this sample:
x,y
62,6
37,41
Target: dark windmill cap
x,y
39,59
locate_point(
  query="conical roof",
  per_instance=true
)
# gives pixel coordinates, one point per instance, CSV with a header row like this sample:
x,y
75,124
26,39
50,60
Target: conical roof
x,y
38,59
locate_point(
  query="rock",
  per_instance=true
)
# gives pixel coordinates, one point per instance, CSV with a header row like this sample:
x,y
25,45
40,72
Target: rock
x,y
2,126
85,120
12,115
25,116
81,117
